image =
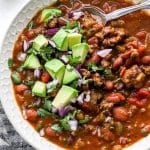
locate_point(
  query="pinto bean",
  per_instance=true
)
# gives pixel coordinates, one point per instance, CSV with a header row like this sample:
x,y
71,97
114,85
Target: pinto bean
x,y
31,114
120,113
146,60
109,85
94,59
21,88
115,97
50,132
117,63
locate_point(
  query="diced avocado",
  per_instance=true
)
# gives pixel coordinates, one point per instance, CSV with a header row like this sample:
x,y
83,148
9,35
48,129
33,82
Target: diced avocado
x,y
73,39
80,50
39,42
56,69
64,96
61,40
32,62
49,14
70,74
39,89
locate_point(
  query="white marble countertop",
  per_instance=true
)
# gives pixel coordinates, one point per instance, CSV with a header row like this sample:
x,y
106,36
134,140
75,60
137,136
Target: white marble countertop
x,y
8,10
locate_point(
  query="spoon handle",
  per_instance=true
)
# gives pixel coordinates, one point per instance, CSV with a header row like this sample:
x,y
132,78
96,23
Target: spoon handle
x,y
121,12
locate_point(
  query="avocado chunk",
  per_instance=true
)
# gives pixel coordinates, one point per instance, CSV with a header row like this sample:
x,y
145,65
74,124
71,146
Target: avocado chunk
x,y
32,62
80,50
73,39
39,89
48,14
56,69
70,74
39,42
61,40
64,96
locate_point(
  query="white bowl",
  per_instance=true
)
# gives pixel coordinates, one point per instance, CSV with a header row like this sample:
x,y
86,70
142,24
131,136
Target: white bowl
x,y
6,89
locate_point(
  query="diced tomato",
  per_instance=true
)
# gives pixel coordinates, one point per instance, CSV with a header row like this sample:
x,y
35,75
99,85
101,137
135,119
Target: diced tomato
x,y
31,115
45,77
137,102
21,88
50,132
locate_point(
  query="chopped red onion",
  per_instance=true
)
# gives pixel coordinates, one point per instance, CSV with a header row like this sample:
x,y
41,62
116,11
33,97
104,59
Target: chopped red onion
x,y
52,43
80,98
87,97
42,132
64,58
103,53
108,119
64,19
21,56
65,110
37,73
70,15
70,140
77,15
26,45
78,67
73,124
78,73
38,101
54,110
51,32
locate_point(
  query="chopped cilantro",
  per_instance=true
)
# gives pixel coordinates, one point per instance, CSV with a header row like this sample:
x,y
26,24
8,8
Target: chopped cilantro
x,y
107,72
56,128
10,63
30,25
47,105
94,67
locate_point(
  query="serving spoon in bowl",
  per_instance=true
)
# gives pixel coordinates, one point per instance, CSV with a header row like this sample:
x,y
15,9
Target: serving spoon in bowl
x,y
115,14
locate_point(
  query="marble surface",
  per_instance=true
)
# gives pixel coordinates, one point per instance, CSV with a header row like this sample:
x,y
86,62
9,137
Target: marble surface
x,y
9,138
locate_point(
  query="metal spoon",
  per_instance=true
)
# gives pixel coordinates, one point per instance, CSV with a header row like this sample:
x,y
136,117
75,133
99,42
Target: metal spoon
x,y
115,14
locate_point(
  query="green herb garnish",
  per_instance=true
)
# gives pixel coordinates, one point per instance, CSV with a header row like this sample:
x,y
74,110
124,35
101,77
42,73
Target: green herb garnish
x,y
16,78
94,67
30,25
47,105
73,60
43,113
10,63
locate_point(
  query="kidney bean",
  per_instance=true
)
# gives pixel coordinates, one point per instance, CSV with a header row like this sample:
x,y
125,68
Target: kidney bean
x,y
92,40
122,71
146,60
50,132
115,97
143,93
45,77
117,63
126,54
137,102
120,113
31,114
94,59
109,85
